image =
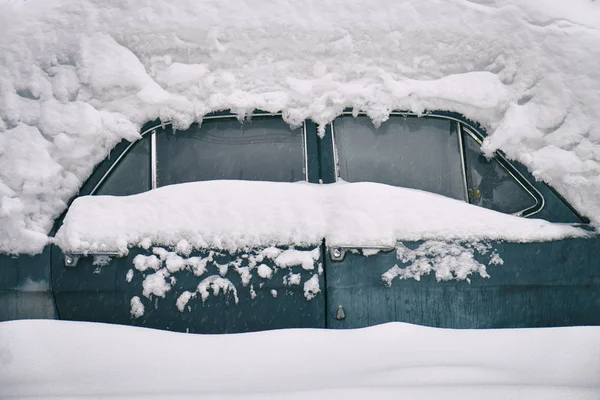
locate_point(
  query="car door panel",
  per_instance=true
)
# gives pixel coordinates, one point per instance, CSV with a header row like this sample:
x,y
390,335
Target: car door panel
x,y
241,292
537,284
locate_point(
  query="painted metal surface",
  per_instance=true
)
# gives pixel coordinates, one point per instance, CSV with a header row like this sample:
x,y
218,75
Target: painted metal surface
x,y
539,284
103,293
25,287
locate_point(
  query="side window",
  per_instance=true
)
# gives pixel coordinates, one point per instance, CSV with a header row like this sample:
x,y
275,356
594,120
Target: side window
x,y
264,149
419,153
490,184
130,173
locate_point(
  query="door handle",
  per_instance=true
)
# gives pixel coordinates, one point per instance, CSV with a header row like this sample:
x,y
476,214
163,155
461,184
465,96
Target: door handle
x,y
72,259
338,253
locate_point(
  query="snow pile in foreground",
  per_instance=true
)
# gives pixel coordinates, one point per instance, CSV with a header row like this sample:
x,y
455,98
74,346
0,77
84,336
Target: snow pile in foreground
x,y
77,76
78,360
237,215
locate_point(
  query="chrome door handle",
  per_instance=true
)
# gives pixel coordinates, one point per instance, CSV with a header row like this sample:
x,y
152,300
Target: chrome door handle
x,y
338,253
72,259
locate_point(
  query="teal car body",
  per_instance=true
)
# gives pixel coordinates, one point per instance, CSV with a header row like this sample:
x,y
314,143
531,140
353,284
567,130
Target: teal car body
x,y
533,284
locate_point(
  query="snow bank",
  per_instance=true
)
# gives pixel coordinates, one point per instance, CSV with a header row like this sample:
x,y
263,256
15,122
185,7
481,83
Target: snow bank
x,y
237,215
77,76
71,360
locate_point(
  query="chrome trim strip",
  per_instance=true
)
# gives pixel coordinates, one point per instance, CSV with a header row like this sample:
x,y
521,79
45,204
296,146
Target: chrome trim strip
x,y
336,165
258,114
162,125
365,247
153,158
305,148
110,253
463,161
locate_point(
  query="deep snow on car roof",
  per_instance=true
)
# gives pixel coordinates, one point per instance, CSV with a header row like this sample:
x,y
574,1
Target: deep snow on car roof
x,y
76,77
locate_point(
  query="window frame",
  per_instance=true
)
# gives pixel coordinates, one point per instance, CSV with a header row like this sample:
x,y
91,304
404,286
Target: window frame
x,y
152,130
463,126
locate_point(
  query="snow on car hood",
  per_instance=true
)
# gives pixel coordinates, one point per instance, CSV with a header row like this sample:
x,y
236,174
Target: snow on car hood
x,y
237,215
78,76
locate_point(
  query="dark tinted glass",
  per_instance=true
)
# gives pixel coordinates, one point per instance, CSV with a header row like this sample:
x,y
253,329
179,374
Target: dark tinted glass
x,y
264,149
131,175
418,153
490,185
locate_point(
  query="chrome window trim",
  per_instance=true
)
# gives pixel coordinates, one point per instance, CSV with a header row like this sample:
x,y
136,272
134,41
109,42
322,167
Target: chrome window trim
x,y
535,194
153,148
305,151
473,132
336,166
153,160
118,160
463,161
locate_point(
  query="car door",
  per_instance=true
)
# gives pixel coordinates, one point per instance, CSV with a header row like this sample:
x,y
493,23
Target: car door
x,y
450,283
200,290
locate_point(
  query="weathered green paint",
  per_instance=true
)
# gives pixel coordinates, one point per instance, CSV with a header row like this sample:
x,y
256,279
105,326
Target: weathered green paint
x,y
102,294
313,145
25,287
327,156
540,284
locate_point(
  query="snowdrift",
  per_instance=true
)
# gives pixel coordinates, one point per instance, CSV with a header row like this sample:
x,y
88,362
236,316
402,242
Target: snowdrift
x,y
70,360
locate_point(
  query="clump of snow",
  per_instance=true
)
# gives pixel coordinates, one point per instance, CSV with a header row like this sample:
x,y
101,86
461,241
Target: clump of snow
x,y
145,243
240,215
292,279
77,77
160,252
198,264
264,271
129,276
158,281
156,284
448,260
293,257
311,287
143,263
245,275
101,260
270,252
370,252
495,259
175,263
183,299
217,284
183,247
137,308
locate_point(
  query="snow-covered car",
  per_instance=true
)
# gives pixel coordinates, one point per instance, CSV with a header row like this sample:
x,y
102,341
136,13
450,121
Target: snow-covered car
x,y
233,226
